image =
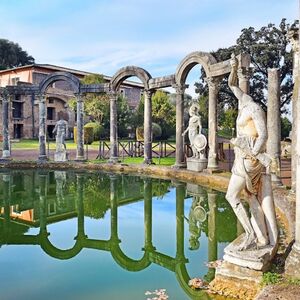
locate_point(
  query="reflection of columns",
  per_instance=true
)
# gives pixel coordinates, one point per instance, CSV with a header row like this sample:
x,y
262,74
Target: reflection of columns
x,y
213,88
80,134
6,197
42,202
148,213
5,122
179,163
148,127
244,76
42,127
80,210
113,209
273,121
113,127
180,194
212,238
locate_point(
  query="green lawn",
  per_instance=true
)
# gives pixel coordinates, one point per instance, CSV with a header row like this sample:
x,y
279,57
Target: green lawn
x,y
34,145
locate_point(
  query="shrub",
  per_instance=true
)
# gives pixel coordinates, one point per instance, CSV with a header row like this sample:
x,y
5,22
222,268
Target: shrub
x,y
156,132
97,128
88,133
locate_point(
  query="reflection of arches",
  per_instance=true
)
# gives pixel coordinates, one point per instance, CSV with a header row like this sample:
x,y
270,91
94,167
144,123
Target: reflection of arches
x,y
194,58
60,76
127,263
53,251
127,72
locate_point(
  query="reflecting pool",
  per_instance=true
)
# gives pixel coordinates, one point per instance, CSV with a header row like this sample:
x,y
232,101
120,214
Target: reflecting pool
x,y
75,235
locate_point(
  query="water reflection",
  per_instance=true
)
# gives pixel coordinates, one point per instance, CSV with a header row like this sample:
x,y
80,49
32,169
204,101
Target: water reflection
x,y
37,199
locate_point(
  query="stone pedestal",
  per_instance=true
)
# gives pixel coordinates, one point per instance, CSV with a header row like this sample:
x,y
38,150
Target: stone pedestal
x,y
196,164
236,281
256,259
292,263
61,156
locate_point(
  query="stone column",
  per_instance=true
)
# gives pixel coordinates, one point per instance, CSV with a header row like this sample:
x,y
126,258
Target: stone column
x,y
42,128
148,127
113,127
80,134
293,36
179,163
213,88
273,121
244,76
5,123
293,260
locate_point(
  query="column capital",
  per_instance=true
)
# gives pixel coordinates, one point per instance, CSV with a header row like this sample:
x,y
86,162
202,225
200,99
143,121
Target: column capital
x,y
213,82
112,94
4,94
180,88
244,74
149,93
41,97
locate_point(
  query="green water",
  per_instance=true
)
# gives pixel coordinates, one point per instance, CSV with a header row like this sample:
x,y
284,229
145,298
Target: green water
x,y
68,235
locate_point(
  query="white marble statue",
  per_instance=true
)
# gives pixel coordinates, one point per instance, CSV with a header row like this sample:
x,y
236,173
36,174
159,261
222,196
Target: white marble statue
x,y
197,140
248,172
61,129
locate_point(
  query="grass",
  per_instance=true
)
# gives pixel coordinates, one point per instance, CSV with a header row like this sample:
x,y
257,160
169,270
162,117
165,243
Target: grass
x,y
165,161
34,145
275,278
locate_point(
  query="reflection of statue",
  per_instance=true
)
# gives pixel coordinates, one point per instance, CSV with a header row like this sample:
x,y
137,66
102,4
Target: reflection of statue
x,y
60,178
250,159
197,140
61,130
197,215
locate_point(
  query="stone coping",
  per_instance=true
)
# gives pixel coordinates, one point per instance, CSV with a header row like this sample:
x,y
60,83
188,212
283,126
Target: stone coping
x,y
284,201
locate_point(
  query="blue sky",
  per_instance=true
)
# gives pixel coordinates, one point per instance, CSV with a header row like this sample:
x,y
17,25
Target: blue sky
x,y
105,35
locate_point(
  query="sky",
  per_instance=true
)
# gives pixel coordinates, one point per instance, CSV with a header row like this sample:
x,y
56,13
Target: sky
x,y
103,36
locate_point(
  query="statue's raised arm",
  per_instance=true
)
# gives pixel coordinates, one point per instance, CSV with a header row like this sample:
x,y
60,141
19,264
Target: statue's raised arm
x,y
233,78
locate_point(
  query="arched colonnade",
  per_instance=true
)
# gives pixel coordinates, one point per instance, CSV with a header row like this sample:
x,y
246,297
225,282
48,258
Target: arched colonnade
x,y
214,70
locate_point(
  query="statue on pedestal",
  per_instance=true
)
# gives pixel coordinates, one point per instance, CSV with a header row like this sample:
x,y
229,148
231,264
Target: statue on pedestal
x,y
257,245
61,129
198,141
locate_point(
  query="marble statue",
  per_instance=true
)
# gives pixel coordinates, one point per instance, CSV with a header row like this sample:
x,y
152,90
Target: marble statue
x,y
198,141
61,130
248,174
194,129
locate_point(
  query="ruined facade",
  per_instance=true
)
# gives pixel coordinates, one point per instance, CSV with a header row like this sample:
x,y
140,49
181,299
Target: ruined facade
x,y
23,109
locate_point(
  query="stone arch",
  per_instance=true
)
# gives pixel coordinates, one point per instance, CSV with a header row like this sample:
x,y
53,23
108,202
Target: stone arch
x,y
127,72
60,76
203,58
115,83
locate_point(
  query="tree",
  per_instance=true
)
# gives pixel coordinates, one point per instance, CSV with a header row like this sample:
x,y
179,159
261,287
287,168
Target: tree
x,y
268,49
286,127
96,106
125,116
12,55
163,113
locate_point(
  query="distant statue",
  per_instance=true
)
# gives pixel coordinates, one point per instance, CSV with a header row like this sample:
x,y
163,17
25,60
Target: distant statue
x,y
61,129
197,140
248,172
